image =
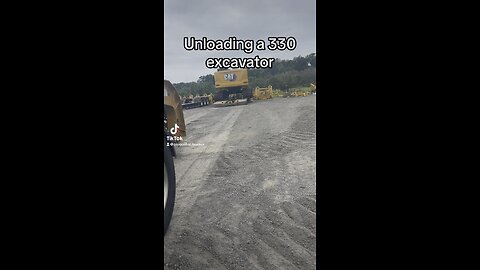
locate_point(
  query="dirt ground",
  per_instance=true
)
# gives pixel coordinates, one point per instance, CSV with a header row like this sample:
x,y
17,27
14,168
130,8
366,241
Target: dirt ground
x,y
246,192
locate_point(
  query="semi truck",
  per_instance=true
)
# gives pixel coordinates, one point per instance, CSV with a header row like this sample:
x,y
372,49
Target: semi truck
x,y
195,102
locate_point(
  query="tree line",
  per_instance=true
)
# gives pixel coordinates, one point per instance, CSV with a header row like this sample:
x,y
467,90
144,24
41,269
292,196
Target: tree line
x,y
285,74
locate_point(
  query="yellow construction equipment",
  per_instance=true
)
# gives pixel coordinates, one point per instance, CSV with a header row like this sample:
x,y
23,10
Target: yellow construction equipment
x,y
172,110
263,93
278,93
232,85
298,93
173,128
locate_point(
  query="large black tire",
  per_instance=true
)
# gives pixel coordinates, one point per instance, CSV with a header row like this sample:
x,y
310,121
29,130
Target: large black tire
x,y
168,187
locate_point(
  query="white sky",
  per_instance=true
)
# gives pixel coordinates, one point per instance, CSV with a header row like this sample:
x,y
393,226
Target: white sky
x,y
244,19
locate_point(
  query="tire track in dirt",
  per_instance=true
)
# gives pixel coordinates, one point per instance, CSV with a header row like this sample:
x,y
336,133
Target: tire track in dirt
x,y
191,178
284,219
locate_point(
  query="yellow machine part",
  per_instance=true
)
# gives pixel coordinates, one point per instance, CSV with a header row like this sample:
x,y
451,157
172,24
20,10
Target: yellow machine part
x,y
278,93
298,93
173,108
263,93
231,78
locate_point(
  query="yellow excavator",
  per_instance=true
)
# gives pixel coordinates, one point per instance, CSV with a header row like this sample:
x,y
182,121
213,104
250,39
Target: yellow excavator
x,y
232,85
174,123
173,131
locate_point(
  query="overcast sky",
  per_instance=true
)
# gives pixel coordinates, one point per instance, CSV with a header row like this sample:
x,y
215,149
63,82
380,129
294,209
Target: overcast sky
x,y
244,19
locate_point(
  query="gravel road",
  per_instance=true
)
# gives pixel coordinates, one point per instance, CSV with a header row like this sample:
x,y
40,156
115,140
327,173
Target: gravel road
x,y
246,189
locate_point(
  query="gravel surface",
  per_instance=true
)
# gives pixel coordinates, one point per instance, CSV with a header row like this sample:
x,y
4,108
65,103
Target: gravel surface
x,y
246,192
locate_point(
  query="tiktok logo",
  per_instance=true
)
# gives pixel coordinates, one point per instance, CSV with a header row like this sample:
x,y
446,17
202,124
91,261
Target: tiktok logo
x,y
174,129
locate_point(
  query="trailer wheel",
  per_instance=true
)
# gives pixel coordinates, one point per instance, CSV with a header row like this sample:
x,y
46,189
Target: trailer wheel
x,y
168,187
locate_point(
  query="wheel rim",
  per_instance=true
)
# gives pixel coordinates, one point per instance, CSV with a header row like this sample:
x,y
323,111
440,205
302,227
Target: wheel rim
x,y
165,187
